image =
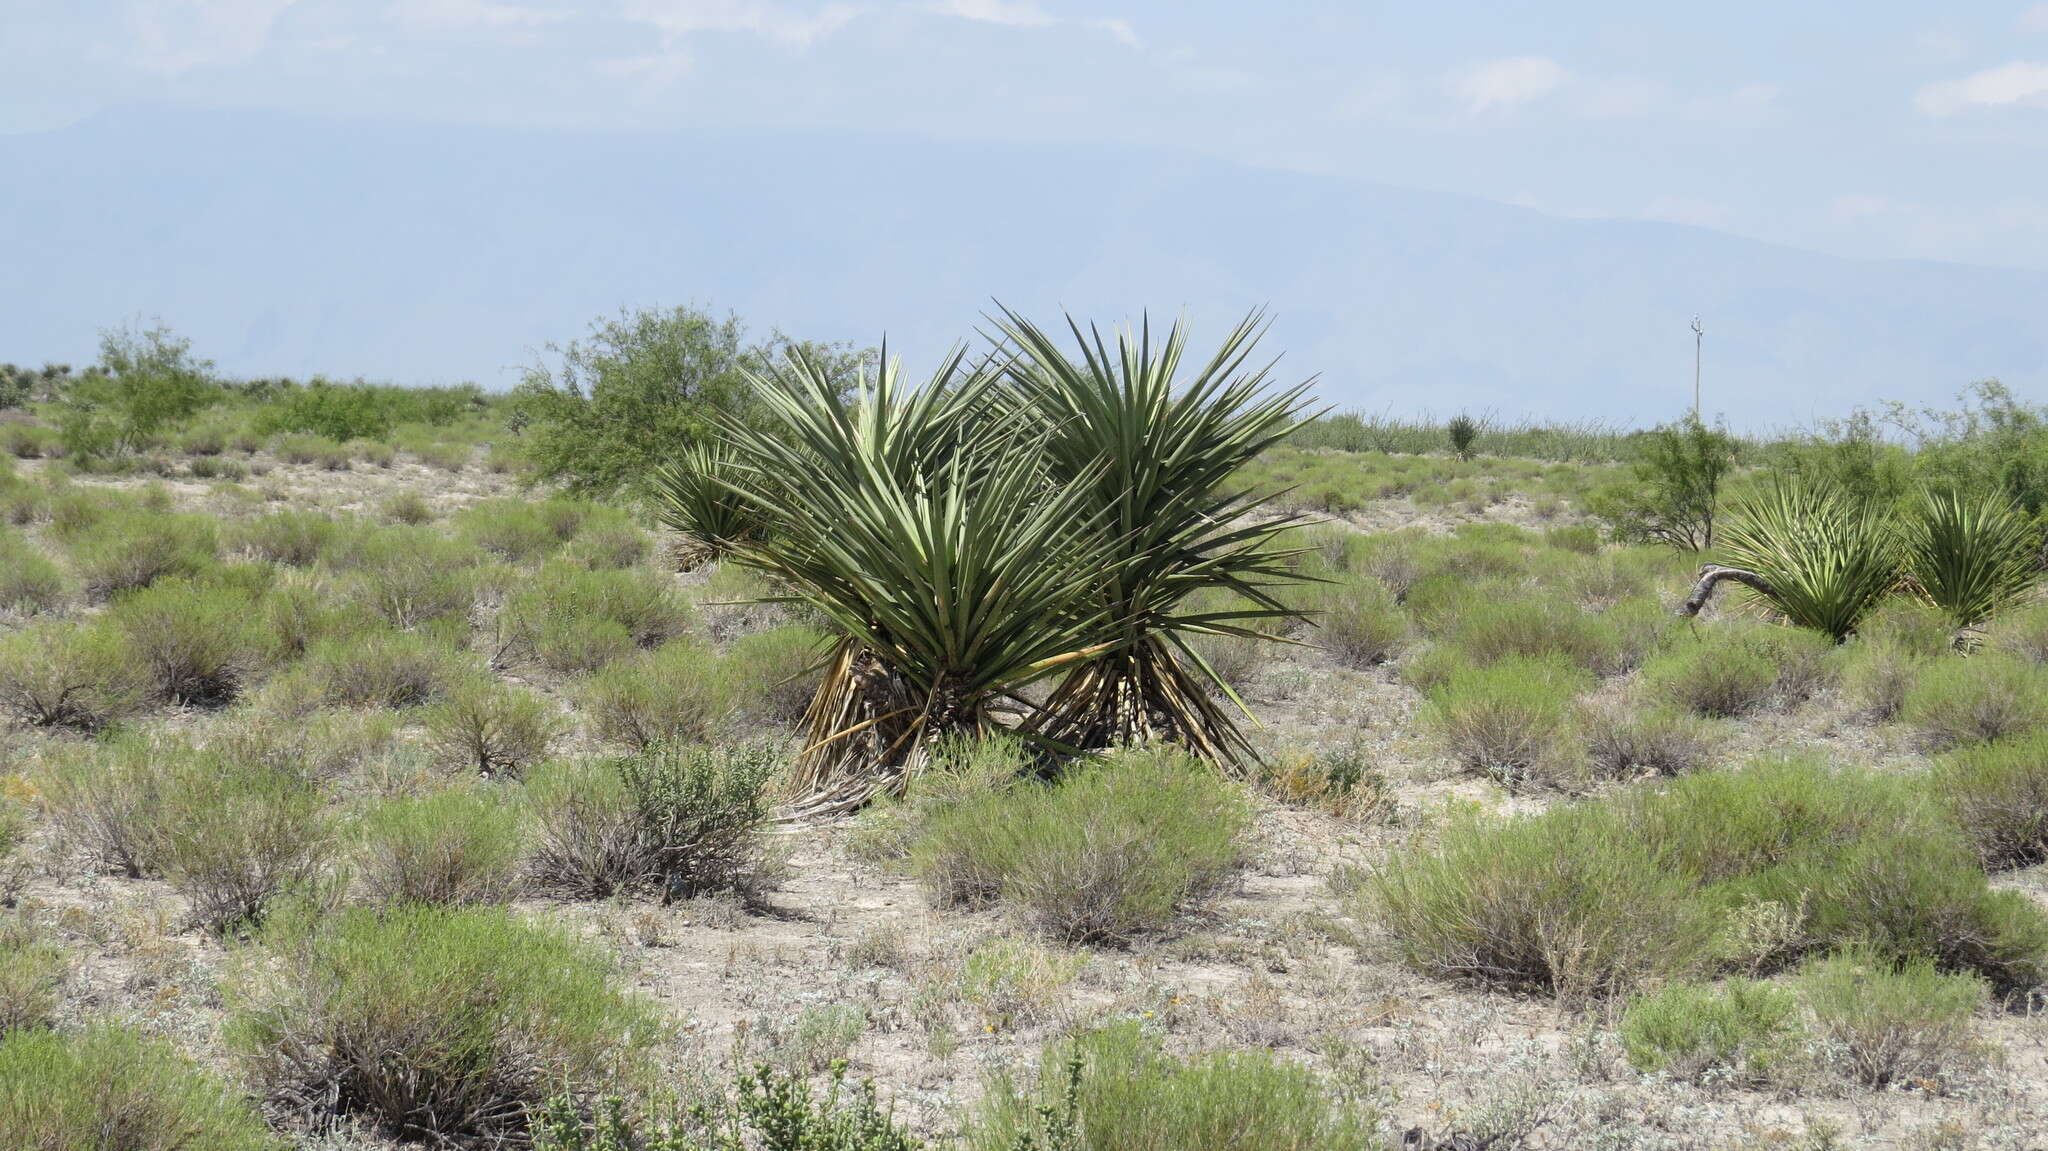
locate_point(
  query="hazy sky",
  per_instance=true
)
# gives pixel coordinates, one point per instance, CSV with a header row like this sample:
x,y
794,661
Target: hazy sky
x,y
1871,129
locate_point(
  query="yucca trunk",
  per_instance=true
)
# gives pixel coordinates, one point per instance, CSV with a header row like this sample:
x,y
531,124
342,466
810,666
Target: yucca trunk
x,y
1141,694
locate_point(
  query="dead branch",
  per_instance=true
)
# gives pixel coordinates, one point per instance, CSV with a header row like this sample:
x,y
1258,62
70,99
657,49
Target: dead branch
x,y
1712,576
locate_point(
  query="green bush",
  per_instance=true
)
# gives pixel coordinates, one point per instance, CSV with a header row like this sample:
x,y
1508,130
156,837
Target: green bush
x,y
444,1025
452,847
1621,741
147,381
2022,631
232,837
1999,795
1884,1021
300,609
772,675
1112,850
678,692
1360,622
292,538
109,1089
410,576
1507,718
196,645
376,669
1988,696
132,549
32,972
408,507
1117,1089
1689,1031
68,674
576,620
1489,630
1721,677
1672,494
518,530
490,727
677,820
1570,902
608,544
29,581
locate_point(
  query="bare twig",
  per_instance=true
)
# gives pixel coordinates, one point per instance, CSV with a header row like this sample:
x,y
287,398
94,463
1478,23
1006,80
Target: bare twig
x,y
1711,576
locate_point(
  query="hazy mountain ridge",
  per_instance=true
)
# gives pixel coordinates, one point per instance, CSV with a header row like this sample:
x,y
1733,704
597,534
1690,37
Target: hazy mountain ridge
x,y
474,246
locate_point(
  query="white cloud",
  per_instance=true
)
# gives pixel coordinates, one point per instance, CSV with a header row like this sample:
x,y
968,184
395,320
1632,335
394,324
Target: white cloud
x,y
1012,13
452,14
1507,84
2034,19
175,36
2020,82
678,18
1119,30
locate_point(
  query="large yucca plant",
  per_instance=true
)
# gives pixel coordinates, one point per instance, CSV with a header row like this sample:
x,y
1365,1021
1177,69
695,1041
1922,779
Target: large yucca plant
x,y
929,534
1970,555
1826,557
1152,456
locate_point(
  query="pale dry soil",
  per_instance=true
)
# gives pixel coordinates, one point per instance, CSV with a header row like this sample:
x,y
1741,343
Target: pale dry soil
x,y
846,957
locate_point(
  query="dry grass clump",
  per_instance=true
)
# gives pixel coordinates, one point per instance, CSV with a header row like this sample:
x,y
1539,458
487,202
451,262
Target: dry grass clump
x,y
432,1024
32,972
672,820
1113,849
289,538
1988,696
109,1088
451,848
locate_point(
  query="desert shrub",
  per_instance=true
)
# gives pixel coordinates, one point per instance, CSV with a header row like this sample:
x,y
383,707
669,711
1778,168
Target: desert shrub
x,y
408,507
773,674
2022,631
490,727
148,380
1623,741
102,798
1113,849
1570,901
677,820
1117,1089
1988,696
775,1108
577,620
1489,630
32,972
132,549
410,576
29,581
1720,676
1507,718
452,847
232,836
445,1025
1999,794
680,691
1580,539
519,530
1883,1020
195,644
1341,781
29,441
376,669
109,1089
292,538
1360,622
312,451
1879,671
609,544
1689,1031
300,609
68,674
1673,490
960,771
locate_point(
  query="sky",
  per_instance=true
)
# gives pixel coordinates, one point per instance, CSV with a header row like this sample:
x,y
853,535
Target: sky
x,y
1876,129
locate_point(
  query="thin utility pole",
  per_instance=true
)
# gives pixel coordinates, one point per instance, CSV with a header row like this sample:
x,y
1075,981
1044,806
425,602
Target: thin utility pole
x,y
1699,336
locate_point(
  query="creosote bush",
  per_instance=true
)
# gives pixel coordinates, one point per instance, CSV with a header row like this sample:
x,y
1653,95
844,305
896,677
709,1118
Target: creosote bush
x,y
68,674
32,972
1117,1089
1507,718
672,820
109,1089
433,1024
1991,695
1883,1020
1112,850
490,727
677,692
131,549
452,847
197,644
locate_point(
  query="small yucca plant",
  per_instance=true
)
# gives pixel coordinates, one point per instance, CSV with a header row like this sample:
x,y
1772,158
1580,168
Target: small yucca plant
x,y
691,497
1464,433
1970,555
1828,558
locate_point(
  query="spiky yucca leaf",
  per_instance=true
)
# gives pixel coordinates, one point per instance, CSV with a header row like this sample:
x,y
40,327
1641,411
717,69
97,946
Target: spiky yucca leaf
x,y
954,572
690,497
1153,456
1828,557
1970,555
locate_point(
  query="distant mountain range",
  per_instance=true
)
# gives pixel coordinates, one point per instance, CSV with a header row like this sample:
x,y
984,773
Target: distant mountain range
x,y
287,245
